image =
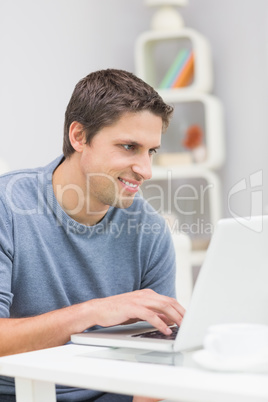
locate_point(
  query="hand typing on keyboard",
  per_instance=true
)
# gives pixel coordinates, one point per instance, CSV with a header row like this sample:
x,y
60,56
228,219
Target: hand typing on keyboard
x,y
141,305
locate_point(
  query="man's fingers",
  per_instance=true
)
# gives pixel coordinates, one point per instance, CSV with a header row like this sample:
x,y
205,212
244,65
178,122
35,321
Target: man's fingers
x,y
166,306
153,318
180,308
151,296
170,313
175,304
145,305
167,320
160,311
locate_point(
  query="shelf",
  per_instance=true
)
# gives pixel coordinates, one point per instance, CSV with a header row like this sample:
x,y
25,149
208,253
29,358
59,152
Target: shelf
x,y
170,173
184,188
156,51
189,199
193,111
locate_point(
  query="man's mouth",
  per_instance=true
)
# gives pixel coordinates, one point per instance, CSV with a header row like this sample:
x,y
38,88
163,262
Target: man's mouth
x,y
131,186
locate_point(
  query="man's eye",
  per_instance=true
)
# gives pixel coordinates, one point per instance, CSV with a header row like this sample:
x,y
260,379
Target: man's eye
x,y
152,151
128,147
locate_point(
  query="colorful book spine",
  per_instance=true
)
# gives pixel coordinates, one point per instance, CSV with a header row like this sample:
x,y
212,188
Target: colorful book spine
x,y
174,69
185,75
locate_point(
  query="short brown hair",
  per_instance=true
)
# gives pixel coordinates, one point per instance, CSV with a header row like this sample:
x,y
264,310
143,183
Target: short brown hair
x,y
102,97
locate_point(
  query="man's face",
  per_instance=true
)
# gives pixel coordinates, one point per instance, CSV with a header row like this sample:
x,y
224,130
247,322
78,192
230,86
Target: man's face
x,y
118,160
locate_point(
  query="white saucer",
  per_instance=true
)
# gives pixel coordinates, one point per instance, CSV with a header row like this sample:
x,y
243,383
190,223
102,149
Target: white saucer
x,y
212,361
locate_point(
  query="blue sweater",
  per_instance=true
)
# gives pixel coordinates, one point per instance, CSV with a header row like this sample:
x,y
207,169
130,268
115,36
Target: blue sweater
x,y
49,261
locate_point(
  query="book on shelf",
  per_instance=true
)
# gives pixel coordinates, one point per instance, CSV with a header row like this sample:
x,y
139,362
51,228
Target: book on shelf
x,y
182,66
186,74
172,72
173,158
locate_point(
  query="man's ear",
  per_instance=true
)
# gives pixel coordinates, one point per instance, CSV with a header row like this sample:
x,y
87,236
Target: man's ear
x,y
77,136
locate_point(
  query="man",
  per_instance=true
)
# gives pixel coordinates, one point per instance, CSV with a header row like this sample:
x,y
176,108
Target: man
x,y
78,246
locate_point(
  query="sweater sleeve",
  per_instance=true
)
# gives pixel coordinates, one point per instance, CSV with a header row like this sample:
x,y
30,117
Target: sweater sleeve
x,y
6,261
160,270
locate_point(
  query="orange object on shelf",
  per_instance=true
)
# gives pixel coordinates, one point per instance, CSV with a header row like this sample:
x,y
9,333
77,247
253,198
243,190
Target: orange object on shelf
x,y
193,137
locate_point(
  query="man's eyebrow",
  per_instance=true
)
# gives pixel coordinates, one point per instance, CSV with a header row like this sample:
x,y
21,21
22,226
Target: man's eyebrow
x,y
135,143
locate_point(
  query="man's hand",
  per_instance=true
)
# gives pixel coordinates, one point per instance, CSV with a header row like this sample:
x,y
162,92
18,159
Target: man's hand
x,y
146,305
55,327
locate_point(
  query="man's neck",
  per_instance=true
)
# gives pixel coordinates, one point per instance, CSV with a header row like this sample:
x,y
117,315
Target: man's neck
x,y
70,191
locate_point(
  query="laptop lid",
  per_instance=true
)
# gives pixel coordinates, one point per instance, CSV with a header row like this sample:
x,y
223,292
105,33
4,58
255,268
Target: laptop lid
x,y
232,284
231,287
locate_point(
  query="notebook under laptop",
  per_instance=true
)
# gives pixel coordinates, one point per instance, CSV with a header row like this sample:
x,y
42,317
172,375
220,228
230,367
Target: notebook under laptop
x,y
231,287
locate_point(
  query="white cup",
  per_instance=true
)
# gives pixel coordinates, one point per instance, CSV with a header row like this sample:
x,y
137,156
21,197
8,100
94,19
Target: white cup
x,y
237,340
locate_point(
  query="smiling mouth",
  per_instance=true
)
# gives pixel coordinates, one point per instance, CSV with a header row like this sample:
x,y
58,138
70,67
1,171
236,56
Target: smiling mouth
x,y
130,186
127,183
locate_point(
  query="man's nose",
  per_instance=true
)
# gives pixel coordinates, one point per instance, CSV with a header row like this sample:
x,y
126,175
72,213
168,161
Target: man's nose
x,y
143,166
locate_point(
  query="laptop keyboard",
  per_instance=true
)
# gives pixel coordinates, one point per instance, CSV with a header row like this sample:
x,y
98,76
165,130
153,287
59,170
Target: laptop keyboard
x,y
158,335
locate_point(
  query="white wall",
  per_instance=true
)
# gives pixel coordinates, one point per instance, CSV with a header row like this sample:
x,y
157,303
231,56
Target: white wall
x,y
48,45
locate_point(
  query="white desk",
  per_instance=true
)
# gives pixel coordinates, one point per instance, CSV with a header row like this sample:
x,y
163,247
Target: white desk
x,y
37,372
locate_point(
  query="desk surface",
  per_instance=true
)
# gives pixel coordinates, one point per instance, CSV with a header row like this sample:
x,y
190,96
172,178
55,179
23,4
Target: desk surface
x,y
71,365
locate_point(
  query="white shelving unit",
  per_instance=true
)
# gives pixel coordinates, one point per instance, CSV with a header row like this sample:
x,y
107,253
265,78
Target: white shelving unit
x,y
178,171
150,43
212,122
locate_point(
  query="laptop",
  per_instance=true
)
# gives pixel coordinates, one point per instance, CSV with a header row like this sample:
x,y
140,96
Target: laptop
x,y
231,287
